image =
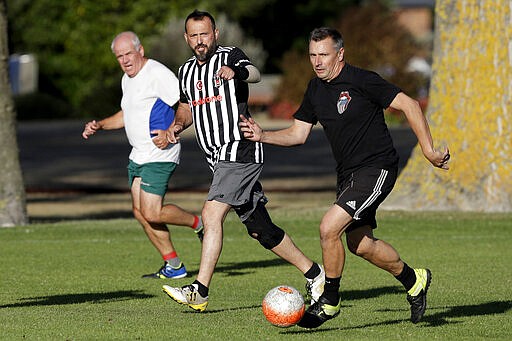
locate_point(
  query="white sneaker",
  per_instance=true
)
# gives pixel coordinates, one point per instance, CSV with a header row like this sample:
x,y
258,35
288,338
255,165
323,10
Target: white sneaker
x,y
315,286
187,295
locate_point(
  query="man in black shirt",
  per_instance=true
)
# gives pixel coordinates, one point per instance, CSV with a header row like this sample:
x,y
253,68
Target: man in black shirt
x,y
348,102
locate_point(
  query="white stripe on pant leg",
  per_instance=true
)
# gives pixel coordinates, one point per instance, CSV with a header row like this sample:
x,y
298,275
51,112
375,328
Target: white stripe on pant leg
x,y
375,194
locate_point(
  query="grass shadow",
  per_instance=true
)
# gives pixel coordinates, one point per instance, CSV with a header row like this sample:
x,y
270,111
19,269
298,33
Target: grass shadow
x,y
437,319
363,294
244,268
106,215
215,311
100,297
489,308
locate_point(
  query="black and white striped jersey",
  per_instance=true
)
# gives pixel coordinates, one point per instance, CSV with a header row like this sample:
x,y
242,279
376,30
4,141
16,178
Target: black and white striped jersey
x,y
216,106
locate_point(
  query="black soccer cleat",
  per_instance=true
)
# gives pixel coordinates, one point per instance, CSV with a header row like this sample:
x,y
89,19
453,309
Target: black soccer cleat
x,y
417,296
318,313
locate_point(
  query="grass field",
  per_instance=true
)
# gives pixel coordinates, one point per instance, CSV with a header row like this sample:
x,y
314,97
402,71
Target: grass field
x,y
79,279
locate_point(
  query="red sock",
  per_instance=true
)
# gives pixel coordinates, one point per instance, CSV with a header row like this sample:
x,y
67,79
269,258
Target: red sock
x,y
196,222
169,256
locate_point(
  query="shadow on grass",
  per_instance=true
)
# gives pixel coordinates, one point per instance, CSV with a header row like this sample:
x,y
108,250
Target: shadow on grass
x,y
363,294
489,308
107,215
436,319
215,311
100,297
243,268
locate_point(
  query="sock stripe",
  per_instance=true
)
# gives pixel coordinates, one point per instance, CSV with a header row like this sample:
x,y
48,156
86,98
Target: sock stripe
x,y
196,222
169,256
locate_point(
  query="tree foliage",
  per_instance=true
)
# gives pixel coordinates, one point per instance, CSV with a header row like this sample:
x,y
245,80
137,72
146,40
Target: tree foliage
x,y
72,38
373,40
171,49
283,26
72,42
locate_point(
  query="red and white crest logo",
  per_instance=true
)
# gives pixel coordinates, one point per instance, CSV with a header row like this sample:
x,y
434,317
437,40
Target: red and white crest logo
x,y
343,101
199,85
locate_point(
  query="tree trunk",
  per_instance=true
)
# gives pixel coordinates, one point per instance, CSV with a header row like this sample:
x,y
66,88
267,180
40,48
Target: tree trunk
x,y
12,191
469,110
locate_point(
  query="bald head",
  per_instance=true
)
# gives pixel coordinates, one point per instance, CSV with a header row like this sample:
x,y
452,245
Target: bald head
x,y
126,35
129,52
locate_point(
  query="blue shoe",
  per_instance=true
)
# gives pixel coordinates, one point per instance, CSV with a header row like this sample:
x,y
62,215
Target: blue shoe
x,y
167,271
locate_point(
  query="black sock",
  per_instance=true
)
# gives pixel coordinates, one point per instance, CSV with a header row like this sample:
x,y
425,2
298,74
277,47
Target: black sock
x,y
407,277
313,271
331,290
203,291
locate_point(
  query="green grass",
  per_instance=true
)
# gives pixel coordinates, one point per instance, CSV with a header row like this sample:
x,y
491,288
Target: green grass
x,y
80,280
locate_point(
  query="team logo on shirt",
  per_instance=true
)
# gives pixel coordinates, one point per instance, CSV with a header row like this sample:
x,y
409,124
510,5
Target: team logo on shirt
x,y
343,101
199,85
217,81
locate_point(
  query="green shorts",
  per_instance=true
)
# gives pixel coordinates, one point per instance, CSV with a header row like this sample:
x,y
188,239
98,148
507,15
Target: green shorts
x,y
154,176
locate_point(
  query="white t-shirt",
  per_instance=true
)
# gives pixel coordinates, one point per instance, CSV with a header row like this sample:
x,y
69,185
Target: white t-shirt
x,y
147,105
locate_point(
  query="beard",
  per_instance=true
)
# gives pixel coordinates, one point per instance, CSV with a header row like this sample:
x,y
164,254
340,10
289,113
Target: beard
x,y
206,54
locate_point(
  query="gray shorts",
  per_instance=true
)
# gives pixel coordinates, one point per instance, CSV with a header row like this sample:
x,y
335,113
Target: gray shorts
x,y
237,185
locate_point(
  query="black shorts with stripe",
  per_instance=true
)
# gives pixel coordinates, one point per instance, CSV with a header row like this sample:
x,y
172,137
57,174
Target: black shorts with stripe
x,y
361,193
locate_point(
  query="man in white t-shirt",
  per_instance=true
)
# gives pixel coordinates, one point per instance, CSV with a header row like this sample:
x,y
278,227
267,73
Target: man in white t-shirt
x,y
150,90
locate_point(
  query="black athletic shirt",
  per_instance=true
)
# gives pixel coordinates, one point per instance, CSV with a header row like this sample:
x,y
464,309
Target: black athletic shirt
x,y
216,106
350,108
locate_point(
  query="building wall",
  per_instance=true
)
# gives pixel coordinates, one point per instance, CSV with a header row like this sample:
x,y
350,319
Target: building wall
x,y
418,20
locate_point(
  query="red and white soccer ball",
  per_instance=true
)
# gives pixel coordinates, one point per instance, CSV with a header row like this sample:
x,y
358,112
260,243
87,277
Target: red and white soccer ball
x,y
283,306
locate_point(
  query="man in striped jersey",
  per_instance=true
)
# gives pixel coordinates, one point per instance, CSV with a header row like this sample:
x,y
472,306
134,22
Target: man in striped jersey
x,y
214,94
150,90
348,102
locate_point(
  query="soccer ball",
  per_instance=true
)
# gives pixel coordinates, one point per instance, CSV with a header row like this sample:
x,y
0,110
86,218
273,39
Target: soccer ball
x,y
283,306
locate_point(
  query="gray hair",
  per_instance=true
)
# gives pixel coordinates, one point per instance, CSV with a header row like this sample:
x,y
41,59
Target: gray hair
x,y
133,36
322,33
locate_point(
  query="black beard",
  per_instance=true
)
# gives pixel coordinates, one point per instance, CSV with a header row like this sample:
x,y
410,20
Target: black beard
x,y
202,57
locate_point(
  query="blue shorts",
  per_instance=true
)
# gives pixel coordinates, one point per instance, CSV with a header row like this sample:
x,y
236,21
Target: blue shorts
x,y
154,176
